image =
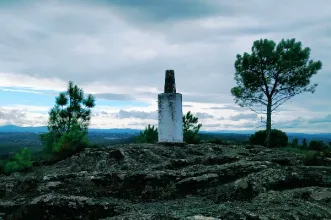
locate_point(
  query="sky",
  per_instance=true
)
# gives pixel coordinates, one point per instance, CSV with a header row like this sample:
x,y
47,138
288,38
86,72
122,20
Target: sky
x,y
119,50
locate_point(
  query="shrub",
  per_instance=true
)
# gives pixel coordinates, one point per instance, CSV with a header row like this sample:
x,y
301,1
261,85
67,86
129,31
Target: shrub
x,y
191,137
277,138
71,141
20,162
313,159
48,139
149,135
304,144
191,128
317,145
295,143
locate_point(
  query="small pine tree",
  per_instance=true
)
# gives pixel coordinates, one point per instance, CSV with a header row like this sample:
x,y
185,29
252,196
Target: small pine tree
x,y
317,145
149,135
68,120
21,161
191,128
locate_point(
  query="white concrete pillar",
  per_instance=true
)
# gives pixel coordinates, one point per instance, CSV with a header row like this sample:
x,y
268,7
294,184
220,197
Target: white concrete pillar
x,y
170,124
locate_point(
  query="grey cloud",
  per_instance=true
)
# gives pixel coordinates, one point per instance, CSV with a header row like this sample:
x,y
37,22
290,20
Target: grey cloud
x,y
239,117
12,114
317,125
104,113
228,107
188,106
42,41
202,115
211,126
148,11
246,125
221,126
136,114
113,96
206,98
19,118
295,123
141,124
326,119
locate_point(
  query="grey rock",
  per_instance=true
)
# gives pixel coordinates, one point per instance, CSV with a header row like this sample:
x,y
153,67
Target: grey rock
x,y
145,181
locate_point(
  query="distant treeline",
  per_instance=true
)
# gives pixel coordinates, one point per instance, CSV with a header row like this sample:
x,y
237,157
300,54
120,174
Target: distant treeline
x,y
12,142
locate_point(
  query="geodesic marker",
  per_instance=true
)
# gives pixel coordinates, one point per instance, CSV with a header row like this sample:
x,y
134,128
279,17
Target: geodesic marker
x,y
170,124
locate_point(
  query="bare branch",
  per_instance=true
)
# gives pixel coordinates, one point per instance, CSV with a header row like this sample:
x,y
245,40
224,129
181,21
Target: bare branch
x,y
281,99
279,104
259,126
262,125
256,111
262,101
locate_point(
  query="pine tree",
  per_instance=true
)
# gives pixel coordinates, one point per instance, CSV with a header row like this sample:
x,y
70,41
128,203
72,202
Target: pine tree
x,y
191,128
272,74
68,120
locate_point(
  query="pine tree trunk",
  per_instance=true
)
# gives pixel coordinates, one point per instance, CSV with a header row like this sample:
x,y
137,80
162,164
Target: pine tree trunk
x,y
268,126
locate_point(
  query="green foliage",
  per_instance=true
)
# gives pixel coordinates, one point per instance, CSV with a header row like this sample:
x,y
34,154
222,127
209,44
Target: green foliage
x,y
277,138
190,131
310,157
149,135
191,128
295,143
313,159
295,150
48,139
68,121
304,144
20,162
71,141
317,145
191,137
272,74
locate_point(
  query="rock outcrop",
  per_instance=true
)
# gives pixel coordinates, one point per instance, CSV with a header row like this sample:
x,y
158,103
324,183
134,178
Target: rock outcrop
x,y
144,181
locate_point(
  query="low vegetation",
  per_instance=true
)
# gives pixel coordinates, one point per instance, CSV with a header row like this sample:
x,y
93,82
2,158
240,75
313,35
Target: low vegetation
x,y
149,135
21,161
190,131
67,131
278,138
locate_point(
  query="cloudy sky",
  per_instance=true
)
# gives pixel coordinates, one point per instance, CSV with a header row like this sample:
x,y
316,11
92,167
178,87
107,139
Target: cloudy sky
x,y
119,50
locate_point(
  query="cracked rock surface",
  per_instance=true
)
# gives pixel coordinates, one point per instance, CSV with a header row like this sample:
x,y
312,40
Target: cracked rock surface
x,y
145,181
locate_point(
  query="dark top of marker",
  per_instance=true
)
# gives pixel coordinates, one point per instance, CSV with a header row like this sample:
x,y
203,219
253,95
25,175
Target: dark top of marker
x,y
170,84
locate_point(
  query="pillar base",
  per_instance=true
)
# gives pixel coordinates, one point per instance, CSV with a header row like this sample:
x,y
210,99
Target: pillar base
x,y
172,143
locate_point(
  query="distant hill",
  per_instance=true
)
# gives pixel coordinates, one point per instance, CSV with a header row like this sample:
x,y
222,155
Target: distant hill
x,y
41,129
14,128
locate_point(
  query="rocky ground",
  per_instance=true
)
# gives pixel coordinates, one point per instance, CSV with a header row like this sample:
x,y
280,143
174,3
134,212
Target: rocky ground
x,y
144,181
